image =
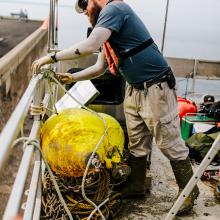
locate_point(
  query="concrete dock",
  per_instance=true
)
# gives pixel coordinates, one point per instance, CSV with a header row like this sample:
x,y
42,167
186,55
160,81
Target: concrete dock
x,y
13,31
21,42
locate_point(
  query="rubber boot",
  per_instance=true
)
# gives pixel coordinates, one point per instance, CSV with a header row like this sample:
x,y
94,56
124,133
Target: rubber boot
x,y
183,172
134,187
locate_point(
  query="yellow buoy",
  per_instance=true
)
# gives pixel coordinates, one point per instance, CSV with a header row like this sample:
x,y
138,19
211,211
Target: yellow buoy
x,y
69,138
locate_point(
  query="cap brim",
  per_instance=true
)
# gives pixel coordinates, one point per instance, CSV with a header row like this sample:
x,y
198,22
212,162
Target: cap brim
x,y
77,8
208,103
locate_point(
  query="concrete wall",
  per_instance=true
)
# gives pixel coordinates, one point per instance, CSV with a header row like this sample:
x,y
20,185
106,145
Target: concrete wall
x,y
185,67
181,67
15,71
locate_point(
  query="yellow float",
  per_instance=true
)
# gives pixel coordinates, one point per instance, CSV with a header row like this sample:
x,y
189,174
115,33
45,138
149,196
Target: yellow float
x,y
69,138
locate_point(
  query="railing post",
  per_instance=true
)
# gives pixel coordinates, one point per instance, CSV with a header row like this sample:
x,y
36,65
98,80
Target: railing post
x,y
30,203
12,128
56,23
165,27
15,198
194,76
53,26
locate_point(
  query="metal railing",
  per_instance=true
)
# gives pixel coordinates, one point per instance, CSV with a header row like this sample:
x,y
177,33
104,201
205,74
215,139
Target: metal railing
x,y
36,93
13,126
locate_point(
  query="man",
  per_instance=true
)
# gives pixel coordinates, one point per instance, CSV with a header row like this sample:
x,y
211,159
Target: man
x,y
150,103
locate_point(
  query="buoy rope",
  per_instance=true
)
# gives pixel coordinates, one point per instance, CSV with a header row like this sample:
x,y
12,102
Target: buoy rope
x,y
50,75
35,143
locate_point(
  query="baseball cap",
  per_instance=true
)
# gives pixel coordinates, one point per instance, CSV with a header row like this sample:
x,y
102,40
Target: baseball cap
x,y
79,4
208,99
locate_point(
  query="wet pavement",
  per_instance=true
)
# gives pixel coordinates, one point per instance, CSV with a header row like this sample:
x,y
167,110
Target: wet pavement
x,y
164,190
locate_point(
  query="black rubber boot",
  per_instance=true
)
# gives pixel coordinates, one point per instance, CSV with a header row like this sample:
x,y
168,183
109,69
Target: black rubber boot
x,y
183,172
135,186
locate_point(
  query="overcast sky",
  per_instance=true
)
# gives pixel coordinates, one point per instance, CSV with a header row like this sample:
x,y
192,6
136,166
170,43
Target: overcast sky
x,y
193,28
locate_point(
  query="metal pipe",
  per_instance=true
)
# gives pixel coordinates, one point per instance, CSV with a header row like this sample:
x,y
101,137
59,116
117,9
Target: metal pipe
x,y
56,23
165,26
14,201
30,204
49,29
29,210
53,24
37,208
13,126
194,76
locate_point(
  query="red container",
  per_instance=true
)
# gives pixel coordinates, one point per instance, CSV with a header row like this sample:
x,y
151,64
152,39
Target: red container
x,y
185,106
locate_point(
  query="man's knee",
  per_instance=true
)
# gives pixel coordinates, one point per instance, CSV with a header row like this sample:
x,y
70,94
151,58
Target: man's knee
x,y
177,151
140,145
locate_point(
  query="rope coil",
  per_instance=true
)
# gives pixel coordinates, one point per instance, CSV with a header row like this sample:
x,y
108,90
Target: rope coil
x,y
37,110
50,76
60,200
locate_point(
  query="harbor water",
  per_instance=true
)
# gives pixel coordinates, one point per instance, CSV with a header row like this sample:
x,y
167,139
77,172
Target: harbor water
x,y
192,27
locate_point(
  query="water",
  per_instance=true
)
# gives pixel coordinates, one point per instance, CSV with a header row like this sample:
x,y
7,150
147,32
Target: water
x,y
202,87
192,31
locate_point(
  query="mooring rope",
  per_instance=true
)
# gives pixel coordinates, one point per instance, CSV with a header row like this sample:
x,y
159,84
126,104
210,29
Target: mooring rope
x,y
36,144
97,189
49,74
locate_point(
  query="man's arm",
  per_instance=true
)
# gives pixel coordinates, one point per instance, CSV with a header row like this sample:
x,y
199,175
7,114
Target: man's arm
x,y
88,73
98,36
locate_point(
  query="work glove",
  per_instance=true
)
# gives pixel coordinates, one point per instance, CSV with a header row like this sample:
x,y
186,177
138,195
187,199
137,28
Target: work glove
x,y
64,78
37,64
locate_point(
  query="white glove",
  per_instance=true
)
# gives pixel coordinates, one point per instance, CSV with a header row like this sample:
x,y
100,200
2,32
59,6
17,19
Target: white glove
x,y
37,64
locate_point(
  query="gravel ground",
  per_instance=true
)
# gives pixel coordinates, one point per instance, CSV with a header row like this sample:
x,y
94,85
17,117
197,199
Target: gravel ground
x,y
158,203
154,207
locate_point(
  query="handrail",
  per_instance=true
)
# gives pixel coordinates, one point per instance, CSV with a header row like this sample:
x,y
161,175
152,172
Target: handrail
x,y
14,201
15,198
53,21
36,178
37,208
12,128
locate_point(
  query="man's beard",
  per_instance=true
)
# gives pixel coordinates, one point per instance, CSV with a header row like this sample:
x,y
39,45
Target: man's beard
x,y
94,15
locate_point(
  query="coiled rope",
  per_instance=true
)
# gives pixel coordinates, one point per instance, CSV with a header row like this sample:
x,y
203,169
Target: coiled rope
x,y
36,144
50,75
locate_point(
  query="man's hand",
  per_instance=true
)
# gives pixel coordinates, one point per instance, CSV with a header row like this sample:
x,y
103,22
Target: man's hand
x,y
37,64
64,78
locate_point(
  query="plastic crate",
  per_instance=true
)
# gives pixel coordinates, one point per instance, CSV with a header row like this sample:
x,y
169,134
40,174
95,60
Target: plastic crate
x,y
188,121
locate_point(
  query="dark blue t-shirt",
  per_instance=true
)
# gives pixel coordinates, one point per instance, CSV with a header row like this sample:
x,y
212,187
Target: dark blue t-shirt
x,y
129,32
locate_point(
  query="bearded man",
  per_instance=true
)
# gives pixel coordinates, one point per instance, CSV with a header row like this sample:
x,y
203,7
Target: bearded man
x,y
150,104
